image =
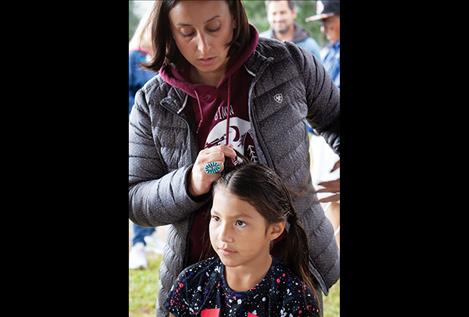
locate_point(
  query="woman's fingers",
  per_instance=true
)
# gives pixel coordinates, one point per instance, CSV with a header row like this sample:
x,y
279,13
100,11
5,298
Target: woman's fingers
x,y
207,168
219,152
328,199
332,186
336,166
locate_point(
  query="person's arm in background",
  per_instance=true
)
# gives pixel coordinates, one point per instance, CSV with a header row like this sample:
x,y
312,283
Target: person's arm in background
x,y
332,186
313,47
323,99
138,76
156,196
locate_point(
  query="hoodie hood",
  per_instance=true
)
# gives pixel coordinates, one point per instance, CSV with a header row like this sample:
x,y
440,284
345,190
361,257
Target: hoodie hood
x,y
206,95
176,79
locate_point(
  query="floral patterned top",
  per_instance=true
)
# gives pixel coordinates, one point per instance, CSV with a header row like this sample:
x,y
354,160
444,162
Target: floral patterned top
x,y
202,290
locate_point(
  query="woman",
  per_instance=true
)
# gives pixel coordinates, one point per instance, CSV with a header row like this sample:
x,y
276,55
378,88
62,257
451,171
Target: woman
x,y
222,88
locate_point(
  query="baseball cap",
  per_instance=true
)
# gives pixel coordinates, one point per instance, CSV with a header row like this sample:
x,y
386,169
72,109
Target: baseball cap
x,y
325,9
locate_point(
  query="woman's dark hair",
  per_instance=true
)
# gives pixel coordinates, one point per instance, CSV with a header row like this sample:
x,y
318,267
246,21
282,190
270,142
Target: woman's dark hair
x,y
261,187
164,46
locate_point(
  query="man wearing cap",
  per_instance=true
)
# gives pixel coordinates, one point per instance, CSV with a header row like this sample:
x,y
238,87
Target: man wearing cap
x,y
329,15
281,15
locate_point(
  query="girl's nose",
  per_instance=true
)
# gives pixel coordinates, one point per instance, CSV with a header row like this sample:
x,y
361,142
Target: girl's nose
x,y
225,234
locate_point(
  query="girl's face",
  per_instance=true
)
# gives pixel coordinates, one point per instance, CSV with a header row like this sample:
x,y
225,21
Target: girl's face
x,y
202,30
239,234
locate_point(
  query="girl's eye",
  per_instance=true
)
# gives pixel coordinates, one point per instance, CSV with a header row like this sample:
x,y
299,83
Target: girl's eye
x,y
215,218
240,223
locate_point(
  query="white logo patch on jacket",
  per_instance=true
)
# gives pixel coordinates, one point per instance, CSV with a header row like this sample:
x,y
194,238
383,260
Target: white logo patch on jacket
x,y
278,98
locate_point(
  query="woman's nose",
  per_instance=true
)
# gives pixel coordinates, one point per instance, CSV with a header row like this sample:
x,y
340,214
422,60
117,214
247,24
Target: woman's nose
x,y
202,44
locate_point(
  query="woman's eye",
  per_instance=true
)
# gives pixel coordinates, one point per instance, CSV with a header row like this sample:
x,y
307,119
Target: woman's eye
x,y
214,26
240,223
186,32
215,218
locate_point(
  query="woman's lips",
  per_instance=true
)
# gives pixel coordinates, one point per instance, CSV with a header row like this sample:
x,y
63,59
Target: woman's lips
x,y
206,61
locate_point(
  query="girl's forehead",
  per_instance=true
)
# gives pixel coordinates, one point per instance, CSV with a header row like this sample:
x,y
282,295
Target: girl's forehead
x,y
229,204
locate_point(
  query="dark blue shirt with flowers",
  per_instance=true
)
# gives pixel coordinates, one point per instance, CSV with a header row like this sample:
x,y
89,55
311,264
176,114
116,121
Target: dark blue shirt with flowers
x,y
202,290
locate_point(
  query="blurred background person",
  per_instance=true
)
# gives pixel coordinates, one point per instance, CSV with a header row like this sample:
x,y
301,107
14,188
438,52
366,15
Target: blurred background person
x,y
323,160
281,15
329,15
140,50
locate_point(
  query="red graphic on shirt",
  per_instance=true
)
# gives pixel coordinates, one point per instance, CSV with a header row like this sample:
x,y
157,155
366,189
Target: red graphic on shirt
x,y
210,312
214,312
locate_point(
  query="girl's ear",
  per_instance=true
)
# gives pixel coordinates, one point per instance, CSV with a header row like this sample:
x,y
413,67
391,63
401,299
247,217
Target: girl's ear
x,y
276,229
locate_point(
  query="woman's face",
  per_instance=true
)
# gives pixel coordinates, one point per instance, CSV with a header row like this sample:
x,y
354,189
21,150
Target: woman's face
x,y
202,30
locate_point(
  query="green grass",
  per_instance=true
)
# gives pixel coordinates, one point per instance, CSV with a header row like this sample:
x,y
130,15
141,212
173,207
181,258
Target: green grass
x,y
143,283
142,288
332,301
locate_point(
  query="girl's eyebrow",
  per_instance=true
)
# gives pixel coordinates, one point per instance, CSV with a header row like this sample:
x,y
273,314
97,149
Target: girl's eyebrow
x,y
237,215
187,24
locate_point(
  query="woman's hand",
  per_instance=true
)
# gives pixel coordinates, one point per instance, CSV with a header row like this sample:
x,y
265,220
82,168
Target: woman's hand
x,y
201,182
331,187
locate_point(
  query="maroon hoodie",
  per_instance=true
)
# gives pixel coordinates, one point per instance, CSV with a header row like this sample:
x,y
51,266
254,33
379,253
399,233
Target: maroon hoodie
x,y
218,111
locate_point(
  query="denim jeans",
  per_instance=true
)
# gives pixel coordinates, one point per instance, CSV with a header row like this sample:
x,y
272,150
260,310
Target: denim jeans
x,y
140,233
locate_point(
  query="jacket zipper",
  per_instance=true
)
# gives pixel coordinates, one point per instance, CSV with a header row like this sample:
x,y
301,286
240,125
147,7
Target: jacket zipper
x,y
254,120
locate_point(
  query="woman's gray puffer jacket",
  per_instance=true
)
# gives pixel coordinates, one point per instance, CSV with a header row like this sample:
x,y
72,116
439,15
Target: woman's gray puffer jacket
x,y
288,85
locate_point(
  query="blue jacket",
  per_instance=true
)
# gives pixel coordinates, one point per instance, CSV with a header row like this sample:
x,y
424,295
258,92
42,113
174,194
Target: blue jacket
x,y
330,57
300,38
137,75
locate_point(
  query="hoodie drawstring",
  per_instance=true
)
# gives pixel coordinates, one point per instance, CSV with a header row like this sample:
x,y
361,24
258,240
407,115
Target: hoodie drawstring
x,y
228,113
201,121
201,113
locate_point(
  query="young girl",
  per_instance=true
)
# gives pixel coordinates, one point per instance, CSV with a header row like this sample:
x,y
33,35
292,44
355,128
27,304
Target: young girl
x,y
251,216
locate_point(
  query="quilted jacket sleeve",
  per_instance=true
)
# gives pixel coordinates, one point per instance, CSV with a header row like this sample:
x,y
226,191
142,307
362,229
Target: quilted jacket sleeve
x,y
156,196
323,98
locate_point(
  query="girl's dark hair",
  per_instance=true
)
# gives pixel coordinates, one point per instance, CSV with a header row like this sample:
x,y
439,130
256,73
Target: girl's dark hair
x,y
261,187
164,46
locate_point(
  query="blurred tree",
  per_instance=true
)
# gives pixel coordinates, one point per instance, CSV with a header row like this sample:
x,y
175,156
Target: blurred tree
x,y
257,15
133,20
